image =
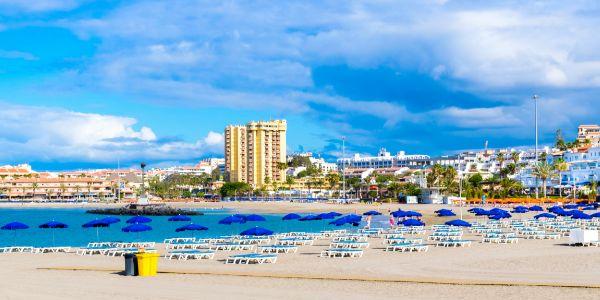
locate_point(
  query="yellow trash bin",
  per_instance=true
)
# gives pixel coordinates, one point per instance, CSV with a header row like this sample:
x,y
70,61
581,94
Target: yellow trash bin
x,y
147,264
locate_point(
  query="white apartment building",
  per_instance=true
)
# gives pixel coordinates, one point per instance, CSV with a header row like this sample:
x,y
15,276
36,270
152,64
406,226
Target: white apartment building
x,y
584,167
384,159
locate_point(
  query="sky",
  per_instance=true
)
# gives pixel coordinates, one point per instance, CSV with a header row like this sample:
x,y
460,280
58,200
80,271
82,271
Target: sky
x,y
90,84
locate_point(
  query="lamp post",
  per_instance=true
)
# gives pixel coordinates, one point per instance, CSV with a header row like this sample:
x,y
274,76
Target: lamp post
x,y
143,166
344,167
535,100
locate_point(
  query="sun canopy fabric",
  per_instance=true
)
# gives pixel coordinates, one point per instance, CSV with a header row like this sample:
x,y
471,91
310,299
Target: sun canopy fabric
x,y
291,216
536,208
53,224
412,222
411,213
14,226
372,213
137,227
446,213
257,231
111,220
255,218
139,220
232,219
458,222
180,218
309,218
95,223
326,216
544,215
191,227
398,214
595,215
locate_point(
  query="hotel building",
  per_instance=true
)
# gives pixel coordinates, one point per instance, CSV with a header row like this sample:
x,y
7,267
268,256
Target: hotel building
x,y
590,133
253,151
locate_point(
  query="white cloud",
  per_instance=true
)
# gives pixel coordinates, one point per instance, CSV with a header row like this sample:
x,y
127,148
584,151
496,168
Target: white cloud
x,y
51,134
16,54
38,5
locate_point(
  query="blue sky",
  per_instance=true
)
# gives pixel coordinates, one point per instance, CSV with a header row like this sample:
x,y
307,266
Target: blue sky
x,y
88,83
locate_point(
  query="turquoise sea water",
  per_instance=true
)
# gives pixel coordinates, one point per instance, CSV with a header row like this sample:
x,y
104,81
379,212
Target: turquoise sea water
x,y
75,235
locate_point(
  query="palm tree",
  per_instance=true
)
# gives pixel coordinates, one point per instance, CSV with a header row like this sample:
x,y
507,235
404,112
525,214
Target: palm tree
x,y
500,158
62,189
34,186
560,166
515,157
543,171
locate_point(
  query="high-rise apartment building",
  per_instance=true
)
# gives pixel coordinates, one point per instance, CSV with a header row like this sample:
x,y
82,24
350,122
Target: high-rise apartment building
x,y
253,152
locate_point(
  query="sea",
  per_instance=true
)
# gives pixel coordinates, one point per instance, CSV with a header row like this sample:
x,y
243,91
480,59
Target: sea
x,y
76,236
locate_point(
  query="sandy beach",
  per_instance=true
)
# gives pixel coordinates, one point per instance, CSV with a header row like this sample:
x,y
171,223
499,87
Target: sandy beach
x,y
531,269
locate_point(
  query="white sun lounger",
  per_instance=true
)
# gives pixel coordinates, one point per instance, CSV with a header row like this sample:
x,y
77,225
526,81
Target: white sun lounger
x,y
51,249
190,254
407,247
179,246
19,249
253,258
349,245
179,240
458,243
278,249
394,241
295,241
355,253
231,246
123,251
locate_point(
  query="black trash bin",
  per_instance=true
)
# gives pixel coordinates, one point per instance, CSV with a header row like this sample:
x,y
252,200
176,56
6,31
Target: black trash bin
x,y
131,268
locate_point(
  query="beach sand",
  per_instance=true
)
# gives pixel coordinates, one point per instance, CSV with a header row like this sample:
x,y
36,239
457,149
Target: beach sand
x,y
531,269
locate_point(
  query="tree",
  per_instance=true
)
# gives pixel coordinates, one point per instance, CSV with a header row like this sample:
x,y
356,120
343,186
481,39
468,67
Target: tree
x,y
559,141
500,158
289,181
333,180
509,187
543,171
593,192
230,189
215,175
560,166
34,186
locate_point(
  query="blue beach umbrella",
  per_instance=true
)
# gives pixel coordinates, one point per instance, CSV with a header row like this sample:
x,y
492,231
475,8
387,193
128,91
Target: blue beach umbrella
x,y
191,227
96,224
291,216
570,206
232,219
458,223
255,218
398,214
580,215
53,225
179,218
544,215
411,214
326,216
14,226
445,213
372,213
595,215
139,220
412,222
536,208
111,220
310,218
257,231
136,228
520,210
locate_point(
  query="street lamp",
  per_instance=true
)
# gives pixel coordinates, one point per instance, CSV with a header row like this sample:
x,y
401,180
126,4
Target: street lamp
x,y
535,100
344,167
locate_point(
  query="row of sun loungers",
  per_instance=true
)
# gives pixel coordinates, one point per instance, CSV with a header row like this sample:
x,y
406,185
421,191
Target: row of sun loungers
x,y
252,258
407,247
190,254
337,252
